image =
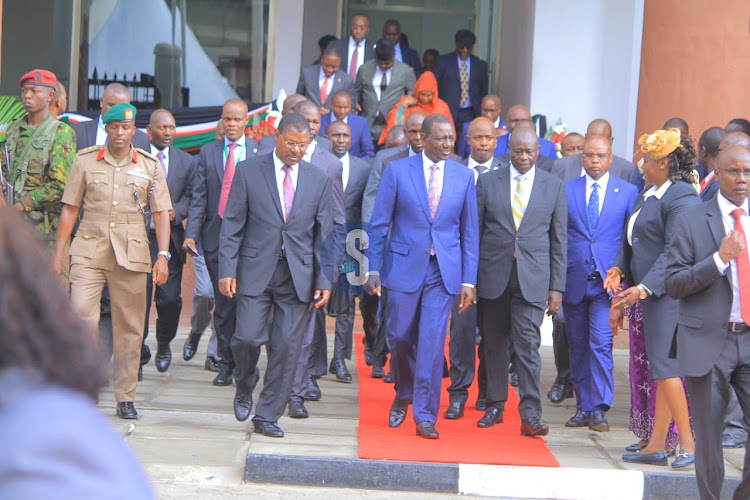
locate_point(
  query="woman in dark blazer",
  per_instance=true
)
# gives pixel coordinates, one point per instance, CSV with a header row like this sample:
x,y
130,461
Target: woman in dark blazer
x,y
668,163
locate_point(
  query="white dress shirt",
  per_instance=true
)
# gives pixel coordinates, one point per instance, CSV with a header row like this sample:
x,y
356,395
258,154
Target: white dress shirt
x,y
654,191
377,79
239,152
439,173
309,151
321,79
726,207
101,134
602,182
278,167
344,169
360,53
412,152
155,151
528,183
473,164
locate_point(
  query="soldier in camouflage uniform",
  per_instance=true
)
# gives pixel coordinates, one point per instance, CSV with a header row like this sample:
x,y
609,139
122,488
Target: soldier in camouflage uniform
x,y
41,151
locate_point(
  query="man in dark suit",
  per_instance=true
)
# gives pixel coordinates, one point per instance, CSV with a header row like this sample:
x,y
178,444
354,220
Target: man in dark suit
x,y
432,228
463,327
355,49
404,54
462,79
89,134
267,143
278,213
598,209
214,172
708,151
523,252
361,138
319,82
491,109
178,168
380,83
354,179
516,115
708,270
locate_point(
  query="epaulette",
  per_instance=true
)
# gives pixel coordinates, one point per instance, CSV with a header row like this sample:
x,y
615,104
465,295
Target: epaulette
x,y
147,154
90,149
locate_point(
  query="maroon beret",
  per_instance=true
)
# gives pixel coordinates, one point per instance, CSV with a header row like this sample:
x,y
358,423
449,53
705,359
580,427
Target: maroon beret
x,y
40,77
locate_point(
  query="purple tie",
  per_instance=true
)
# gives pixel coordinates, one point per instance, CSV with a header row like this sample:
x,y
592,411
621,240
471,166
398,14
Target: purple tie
x,y
160,156
434,197
288,191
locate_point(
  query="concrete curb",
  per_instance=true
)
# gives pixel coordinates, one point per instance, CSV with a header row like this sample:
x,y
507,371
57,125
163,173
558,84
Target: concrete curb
x,y
471,479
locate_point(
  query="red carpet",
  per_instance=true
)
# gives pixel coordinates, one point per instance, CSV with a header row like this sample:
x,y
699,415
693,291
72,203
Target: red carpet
x,y
461,441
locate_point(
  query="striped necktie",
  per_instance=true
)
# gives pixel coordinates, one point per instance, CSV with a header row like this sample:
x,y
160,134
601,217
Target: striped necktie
x,y
517,204
463,75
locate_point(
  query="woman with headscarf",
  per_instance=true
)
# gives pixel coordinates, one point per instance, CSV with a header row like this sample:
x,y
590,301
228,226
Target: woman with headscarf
x,y
425,98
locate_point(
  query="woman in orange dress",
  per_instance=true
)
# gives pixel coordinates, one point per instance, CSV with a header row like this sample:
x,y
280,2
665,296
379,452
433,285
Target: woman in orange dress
x,y
426,92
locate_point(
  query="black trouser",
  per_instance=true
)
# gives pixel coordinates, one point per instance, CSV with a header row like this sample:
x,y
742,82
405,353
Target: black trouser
x,y
225,314
168,297
463,351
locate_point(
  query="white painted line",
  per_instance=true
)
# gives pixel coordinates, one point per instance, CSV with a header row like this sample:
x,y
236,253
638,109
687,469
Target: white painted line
x,y
549,482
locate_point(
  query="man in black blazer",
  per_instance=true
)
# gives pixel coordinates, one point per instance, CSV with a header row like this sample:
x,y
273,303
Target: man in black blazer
x,y
214,171
464,101
355,49
277,215
178,168
523,257
708,270
392,31
708,151
89,134
320,82
570,167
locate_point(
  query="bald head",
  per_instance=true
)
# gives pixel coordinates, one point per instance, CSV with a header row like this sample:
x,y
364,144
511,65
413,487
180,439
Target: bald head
x,y
732,173
340,136
60,103
523,148
600,126
161,128
572,144
114,93
413,127
396,137
516,114
734,139
291,101
482,139
234,119
311,112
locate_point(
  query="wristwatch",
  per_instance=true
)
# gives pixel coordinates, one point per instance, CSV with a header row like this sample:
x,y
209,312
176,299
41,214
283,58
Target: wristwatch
x,y
643,292
166,254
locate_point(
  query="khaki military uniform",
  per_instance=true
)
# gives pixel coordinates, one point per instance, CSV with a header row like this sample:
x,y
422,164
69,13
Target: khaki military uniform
x,y
111,246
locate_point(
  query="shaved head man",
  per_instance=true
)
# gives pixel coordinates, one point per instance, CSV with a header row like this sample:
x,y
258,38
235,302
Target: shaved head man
x,y
515,114
396,137
572,144
481,139
291,101
60,103
735,139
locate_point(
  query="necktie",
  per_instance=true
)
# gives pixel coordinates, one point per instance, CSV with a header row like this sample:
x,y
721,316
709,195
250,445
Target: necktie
x,y
593,212
226,182
517,205
743,269
324,90
353,64
160,156
383,84
464,77
433,197
480,169
288,191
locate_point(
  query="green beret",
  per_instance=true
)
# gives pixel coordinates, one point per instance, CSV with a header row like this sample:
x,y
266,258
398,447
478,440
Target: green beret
x,y
121,112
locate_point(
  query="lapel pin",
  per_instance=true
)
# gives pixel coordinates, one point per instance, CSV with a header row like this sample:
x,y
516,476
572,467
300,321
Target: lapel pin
x,y
617,190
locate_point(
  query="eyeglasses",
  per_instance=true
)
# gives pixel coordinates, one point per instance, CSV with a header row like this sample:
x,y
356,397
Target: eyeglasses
x,y
601,156
298,145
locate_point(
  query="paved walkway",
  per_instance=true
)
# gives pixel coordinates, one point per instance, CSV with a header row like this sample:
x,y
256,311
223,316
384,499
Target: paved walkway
x,y
188,438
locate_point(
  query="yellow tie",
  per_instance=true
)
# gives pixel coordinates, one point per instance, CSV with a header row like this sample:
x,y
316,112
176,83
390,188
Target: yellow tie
x,y
517,203
464,76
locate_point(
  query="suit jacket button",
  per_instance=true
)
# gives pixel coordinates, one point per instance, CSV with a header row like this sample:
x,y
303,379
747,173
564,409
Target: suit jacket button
x,y
635,240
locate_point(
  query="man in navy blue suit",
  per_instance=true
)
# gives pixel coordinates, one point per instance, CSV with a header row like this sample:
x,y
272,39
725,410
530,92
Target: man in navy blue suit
x,y
463,79
392,31
361,146
598,208
517,114
428,204
708,151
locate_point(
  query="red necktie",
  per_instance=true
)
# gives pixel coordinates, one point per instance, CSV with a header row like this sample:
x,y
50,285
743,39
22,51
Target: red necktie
x,y
324,90
743,269
353,64
226,182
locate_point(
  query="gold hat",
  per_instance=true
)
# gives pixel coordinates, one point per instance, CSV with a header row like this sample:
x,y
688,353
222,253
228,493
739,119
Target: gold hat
x,y
661,143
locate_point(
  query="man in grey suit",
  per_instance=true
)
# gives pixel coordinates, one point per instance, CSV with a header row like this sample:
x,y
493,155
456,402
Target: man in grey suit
x,y
268,142
355,49
380,83
214,172
708,270
355,174
570,167
523,257
320,82
278,213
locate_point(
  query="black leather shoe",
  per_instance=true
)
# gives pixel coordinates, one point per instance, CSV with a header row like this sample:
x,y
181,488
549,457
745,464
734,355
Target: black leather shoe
x,y
338,368
481,403
243,404
556,393
140,373
223,378
491,417
579,419
268,429
728,441
636,446
126,410
388,379
377,372
455,411
211,365
163,358
599,422
297,409
368,356
427,430
569,393
191,346
684,459
514,379
313,390
398,412
656,458
533,427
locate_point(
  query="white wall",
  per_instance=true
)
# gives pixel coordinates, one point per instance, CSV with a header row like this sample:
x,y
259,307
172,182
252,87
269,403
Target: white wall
x,y
286,19
586,64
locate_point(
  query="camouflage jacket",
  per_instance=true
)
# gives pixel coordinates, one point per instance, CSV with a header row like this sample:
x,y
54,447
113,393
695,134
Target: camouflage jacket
x,y
39,187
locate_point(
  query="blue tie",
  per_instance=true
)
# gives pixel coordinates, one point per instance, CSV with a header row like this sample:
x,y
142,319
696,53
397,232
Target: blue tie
x,y
593,211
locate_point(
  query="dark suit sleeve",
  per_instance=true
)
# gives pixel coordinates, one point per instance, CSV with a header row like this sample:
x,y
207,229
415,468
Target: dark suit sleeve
x,y
182,206
301,83
558,236
371,190
655,279
322,228
686,277
197,210
411,81
637,180
233,225
481,204
339,204
469,235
